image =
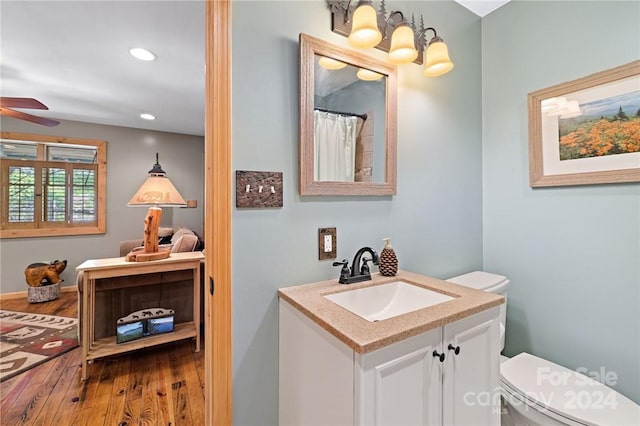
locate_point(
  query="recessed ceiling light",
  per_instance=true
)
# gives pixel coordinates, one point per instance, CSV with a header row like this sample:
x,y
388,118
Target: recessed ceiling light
x,y
148,116
142,54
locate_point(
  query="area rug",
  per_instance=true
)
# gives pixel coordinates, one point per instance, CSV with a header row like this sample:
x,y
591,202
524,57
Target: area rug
x,y
27,340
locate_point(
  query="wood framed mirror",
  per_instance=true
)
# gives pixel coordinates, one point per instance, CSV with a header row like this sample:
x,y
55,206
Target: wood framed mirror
x,y
348,121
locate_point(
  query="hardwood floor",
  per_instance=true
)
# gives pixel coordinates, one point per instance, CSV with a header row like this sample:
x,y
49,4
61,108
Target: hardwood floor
x,y
163,385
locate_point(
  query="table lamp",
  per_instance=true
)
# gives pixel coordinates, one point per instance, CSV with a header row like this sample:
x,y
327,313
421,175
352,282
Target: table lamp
x,y
157,191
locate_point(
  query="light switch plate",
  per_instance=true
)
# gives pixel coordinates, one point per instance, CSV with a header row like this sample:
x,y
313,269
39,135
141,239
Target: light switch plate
x,y
327,243
258,189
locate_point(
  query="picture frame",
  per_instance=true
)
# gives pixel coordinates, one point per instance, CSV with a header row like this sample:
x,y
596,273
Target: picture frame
x,y
586,131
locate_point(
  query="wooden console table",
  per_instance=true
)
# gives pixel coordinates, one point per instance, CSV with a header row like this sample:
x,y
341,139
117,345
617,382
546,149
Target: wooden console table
x,y
96,269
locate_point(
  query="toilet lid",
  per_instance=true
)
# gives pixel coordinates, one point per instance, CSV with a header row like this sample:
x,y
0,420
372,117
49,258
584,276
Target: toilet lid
x,y
480,280
566,393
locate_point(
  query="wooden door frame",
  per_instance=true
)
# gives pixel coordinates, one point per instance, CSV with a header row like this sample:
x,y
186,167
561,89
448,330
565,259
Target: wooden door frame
x,y
217,212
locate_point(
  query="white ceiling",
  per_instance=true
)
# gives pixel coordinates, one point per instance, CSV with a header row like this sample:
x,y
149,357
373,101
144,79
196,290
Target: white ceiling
x,y
481,7
73,57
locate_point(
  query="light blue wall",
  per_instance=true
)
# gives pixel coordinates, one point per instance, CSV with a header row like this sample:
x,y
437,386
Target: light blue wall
x,y
435,220
573,253
130,155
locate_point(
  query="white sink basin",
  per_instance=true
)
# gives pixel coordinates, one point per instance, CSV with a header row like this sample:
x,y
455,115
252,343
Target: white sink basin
x,y
387,300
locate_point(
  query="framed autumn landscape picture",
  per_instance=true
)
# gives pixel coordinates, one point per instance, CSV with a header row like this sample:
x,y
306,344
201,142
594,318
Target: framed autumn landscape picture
x,y
586,131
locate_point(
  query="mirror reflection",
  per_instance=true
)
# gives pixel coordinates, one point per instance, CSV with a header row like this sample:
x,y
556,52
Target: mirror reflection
x,y
349,122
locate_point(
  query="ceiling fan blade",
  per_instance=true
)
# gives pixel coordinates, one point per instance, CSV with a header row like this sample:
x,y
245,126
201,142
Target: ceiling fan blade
x,y
28,117
29,103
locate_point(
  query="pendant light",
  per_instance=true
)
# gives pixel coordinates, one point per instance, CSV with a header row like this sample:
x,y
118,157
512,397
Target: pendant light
x,y
364,29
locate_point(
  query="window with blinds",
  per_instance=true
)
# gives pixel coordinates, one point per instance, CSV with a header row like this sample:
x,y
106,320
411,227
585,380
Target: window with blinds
x,y
52,186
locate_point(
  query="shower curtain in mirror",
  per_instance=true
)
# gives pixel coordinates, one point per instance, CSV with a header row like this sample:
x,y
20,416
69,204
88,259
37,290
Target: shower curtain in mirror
x,y
335,147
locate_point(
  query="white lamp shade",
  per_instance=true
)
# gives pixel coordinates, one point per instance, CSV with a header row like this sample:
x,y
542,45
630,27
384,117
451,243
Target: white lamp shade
x,y
330,63
368,75
436,59
403,49
157,191
364,30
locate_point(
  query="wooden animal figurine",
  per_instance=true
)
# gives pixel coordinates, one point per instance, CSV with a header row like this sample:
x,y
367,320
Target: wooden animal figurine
x,y
38,274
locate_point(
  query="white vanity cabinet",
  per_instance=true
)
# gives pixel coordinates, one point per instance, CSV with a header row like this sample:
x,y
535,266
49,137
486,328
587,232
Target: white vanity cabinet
x,y
325,382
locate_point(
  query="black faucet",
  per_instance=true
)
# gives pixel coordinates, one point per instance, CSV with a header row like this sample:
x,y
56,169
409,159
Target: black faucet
x,y
357,272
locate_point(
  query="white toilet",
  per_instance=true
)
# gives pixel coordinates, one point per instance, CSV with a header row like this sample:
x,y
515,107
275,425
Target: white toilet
x,y
538,392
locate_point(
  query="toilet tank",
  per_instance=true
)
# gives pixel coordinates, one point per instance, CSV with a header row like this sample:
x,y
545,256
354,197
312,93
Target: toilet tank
x,y
493,283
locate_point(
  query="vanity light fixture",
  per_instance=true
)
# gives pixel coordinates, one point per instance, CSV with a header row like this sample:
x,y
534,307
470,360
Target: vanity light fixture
x,y
407,43
330,63
368,75
147,116
142,54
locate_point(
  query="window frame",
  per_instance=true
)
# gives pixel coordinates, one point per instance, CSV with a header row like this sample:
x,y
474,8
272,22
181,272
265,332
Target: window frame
x,y
39,227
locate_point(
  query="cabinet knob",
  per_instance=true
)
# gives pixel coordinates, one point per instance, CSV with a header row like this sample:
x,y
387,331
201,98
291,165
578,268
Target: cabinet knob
x,y
439,356
455,349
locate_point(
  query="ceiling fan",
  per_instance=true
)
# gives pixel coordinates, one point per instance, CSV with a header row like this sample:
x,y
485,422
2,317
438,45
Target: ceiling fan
x,y
7,105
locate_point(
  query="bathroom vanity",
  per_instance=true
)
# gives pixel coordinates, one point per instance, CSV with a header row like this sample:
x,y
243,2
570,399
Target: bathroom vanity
x,y
405,364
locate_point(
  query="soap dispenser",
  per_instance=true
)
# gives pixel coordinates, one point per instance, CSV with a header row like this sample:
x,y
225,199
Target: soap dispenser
x,y
388,259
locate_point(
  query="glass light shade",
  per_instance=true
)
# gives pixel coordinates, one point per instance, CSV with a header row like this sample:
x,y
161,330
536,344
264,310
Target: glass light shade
x,y
330,63
403,49
436,59
368,75
157,191
364,29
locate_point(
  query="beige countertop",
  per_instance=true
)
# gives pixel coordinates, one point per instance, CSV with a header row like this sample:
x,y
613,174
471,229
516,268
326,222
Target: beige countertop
x,y
364,336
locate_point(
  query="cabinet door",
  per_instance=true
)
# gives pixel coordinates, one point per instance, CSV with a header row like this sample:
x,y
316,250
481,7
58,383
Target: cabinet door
x,y
471,379
400,384
315,373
